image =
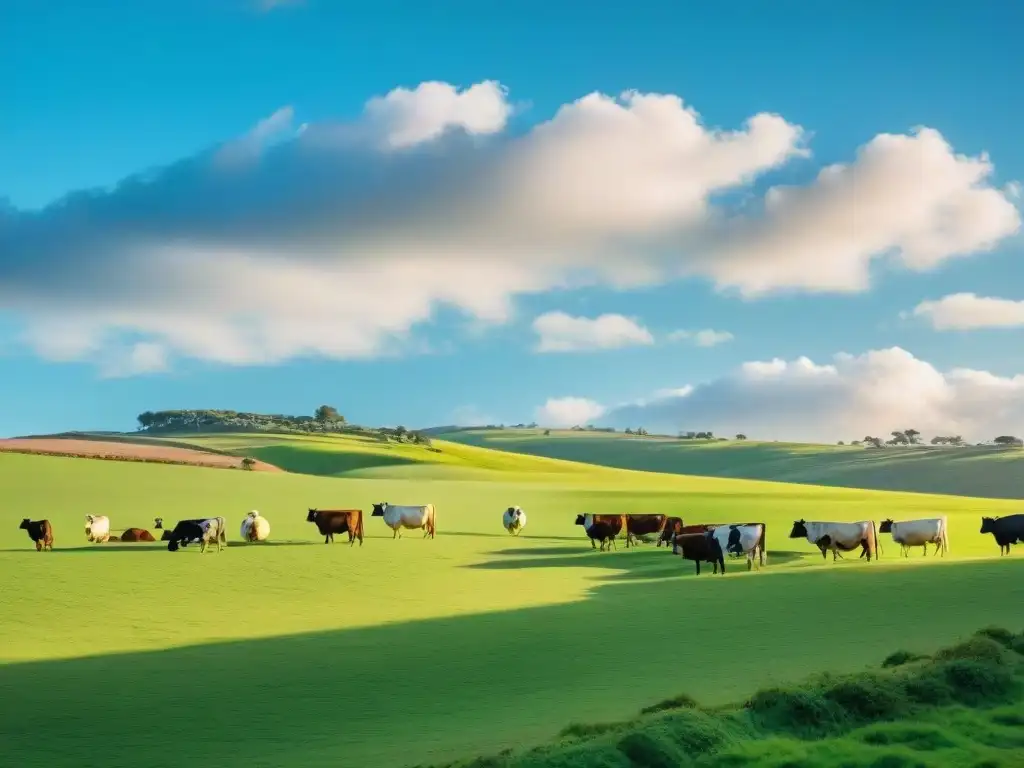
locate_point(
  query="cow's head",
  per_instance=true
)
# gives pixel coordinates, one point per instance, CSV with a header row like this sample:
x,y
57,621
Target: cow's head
x,y
799,530
378,509
24,524
579,519
885,526
253,514
988,524
311,517
158,523
172,545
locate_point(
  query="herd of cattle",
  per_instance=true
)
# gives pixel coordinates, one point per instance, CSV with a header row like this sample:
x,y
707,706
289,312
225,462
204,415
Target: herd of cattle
x,y
701,543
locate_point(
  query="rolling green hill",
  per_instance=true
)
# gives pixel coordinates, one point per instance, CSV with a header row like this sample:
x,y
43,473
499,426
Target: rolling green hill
x,y
480,641
980,472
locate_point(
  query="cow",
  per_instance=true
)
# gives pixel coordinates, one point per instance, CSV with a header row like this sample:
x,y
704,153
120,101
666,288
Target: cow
x,y
158,524
1006,530
514,520
332,521
208,531
673,527
397,517
97,528
743,539
255,527
40,531
918,533
839,537
603,528
136,534
642,525
701,547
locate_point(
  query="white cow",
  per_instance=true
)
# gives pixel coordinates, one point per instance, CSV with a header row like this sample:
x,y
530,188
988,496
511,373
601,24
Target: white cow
x,y
742,540
918,533
255,527
514,520
97,528
398,517
839,537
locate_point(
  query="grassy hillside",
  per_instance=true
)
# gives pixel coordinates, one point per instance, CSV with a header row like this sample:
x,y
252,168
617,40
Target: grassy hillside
x,y
964,706
480,641
981,472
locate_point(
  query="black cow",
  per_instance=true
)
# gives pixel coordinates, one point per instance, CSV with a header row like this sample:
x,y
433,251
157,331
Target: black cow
x,y
40,531
699,547
332,521
167,535
1006,530
184,533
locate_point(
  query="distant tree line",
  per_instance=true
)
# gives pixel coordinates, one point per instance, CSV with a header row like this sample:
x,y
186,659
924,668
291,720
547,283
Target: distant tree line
x,y
907,437
325,419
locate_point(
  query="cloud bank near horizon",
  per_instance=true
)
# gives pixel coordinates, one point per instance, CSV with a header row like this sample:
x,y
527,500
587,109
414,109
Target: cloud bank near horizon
x,y
339,239
800,400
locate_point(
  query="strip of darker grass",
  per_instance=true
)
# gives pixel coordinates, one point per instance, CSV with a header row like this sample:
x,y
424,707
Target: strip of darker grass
x,y
963,705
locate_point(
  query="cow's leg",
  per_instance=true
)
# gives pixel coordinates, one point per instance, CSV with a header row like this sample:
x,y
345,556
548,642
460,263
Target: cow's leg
x,y
750,561
698,566
39,546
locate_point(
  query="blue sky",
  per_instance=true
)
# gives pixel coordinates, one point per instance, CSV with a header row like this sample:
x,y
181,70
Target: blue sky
x,y
114,90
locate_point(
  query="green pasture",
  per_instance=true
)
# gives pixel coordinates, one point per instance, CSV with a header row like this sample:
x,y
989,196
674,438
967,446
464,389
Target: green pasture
x,y
294,653
974,471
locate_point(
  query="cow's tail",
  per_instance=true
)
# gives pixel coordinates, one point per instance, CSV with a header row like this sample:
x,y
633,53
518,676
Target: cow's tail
x,y
764,544
945,535
433,521
223,534
878,541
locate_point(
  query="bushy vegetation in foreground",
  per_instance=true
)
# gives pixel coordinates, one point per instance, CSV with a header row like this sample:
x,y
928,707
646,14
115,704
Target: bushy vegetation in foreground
x,y
962,706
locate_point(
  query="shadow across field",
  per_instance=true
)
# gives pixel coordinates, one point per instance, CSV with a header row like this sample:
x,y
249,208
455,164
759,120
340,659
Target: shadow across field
x,y
478,683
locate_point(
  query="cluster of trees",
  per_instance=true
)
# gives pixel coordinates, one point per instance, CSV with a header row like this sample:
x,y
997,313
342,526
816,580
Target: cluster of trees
x,y
703,436
913,437
325,419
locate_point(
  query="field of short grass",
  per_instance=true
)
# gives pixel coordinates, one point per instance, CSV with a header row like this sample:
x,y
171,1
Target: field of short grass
x,y
981,472
412,651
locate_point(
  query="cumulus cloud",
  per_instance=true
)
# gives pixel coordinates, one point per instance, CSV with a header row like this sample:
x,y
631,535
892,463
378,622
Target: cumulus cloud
x,y
968,311
339,239
560,332
845,399
706,337
568,412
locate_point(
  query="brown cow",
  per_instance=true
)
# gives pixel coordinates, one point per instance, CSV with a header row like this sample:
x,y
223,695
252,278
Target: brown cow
x,y
40,531
136,534
700,546
332,521
643,525
674,526
602,527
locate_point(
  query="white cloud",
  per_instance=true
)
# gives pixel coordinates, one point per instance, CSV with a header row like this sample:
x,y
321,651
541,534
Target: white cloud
x,y
968,311
560,332
338,240
568,412
707,337
846,399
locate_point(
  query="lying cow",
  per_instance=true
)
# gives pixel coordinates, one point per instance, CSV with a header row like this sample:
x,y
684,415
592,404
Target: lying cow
x,y
743,539
136,534
332,521
397,517
207,531
97,528
255,527
644,525
1006,530
700,547
918,533
40,531
839,537
514,520
603,528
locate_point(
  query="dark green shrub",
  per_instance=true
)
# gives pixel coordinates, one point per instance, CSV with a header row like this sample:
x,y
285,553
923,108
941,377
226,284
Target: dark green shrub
x,y
870,698
682,701
900,658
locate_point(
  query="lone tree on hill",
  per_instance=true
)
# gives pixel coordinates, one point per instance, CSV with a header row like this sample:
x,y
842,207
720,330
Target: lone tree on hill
x,y
874,442
327,413
741,436
1008,440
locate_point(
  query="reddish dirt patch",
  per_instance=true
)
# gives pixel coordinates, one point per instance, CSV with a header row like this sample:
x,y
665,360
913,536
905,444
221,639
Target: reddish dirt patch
x,y
96,449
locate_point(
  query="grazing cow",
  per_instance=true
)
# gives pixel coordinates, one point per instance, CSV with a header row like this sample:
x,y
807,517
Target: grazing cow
x,y
918,533
167,535
603,528
136,534
744,539
701,547
1006,530
332,521
255,527
208,531
397,517
40,531
642,525
97,528
839,537
514,520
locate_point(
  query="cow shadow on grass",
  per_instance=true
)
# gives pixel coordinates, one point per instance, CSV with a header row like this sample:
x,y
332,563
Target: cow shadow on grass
x,y
622,564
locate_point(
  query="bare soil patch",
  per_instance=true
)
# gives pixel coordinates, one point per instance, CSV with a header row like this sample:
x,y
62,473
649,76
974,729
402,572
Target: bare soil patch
x,y
97,449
